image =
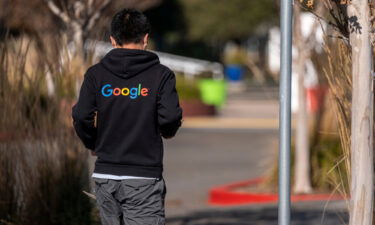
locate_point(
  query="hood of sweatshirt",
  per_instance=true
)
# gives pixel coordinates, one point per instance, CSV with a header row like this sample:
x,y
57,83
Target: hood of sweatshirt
x,y
127,63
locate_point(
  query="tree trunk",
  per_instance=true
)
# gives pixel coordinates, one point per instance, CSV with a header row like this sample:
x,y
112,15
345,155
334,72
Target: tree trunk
x,y
302,183
257,72
362,190
77,34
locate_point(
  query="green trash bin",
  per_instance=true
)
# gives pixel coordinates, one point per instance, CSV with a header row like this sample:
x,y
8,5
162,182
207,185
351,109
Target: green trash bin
x,y
213,92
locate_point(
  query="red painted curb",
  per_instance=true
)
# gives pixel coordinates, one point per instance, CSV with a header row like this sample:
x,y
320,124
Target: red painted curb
x,y
226,196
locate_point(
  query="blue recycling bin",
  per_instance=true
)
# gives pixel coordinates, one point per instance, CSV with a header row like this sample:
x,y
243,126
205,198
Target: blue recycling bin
x,y
234,72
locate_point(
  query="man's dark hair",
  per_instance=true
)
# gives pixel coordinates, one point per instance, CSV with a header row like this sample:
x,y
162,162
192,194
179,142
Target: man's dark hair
x,y
129,26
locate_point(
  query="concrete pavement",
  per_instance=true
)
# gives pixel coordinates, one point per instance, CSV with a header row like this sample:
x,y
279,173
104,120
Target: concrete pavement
x,y
312,213
230,123
241,143
248,110
198,159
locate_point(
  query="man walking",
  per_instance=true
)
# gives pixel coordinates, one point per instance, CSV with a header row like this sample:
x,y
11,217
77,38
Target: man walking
x,y
127,102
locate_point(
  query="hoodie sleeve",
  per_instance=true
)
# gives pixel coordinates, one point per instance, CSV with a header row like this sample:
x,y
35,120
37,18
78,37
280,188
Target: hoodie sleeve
x,y
169,111
83,113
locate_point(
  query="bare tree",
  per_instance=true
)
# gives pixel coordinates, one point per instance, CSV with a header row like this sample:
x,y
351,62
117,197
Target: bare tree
x,y
80,17
302,180
351,20
304,46
362,171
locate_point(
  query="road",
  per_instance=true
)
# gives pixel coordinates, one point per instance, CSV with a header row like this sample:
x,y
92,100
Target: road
x,y
241,144
198,159
302,214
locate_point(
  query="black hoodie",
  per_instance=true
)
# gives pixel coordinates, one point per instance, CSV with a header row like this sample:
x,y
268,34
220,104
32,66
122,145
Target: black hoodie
x,y
135,102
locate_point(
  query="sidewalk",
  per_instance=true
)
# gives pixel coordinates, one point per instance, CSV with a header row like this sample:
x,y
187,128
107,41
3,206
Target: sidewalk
x,y
230,123
241,111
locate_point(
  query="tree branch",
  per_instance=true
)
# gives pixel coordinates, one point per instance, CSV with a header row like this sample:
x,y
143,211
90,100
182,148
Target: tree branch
x,y
57,11
336,26
78,8
89,6
92,19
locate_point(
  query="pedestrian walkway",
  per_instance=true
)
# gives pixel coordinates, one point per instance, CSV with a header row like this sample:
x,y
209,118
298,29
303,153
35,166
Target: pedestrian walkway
x,y
253,103
230,123
253,109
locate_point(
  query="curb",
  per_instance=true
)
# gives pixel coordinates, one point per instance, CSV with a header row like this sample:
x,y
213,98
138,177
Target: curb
x,y
226,196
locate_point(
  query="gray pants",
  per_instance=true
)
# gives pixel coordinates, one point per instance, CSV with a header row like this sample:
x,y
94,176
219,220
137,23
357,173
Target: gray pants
x,y
130,201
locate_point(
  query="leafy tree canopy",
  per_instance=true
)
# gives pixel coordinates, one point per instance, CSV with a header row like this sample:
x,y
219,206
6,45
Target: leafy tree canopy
x,y
221,20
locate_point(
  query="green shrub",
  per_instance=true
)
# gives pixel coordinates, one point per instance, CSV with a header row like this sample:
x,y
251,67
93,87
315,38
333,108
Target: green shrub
x,y
187,89
328,173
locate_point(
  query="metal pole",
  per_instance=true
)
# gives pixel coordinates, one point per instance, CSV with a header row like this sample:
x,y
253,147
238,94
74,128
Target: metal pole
x,y
286,15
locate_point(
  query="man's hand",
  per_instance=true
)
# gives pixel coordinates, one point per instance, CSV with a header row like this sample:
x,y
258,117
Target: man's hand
x,y
93,153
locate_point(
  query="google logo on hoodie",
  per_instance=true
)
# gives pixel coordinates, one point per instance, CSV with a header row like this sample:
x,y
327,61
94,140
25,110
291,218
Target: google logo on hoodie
x,y
133,93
